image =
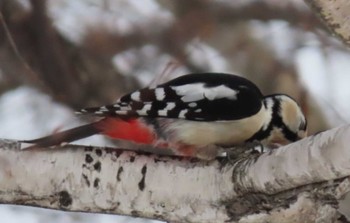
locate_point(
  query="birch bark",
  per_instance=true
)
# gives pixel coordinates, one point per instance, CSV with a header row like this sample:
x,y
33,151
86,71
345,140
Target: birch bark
x,y
299,182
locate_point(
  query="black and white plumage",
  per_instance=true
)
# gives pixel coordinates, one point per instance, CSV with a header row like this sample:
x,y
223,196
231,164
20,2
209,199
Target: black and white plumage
x,y
197,97
195,115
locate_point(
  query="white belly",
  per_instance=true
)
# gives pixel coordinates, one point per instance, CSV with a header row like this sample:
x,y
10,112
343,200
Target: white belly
x,y
222,133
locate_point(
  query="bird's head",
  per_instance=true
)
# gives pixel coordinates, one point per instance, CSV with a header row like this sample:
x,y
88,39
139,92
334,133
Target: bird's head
x,y
288,123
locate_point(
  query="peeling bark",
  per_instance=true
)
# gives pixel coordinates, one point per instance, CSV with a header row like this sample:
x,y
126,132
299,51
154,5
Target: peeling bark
x,y
335,14
301,182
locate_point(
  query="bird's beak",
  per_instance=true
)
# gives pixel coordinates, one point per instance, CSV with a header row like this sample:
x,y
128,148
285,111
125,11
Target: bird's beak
x,y
302,134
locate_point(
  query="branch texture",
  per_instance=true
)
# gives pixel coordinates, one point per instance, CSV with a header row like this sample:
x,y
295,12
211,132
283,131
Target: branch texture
x,y
309,175
335,14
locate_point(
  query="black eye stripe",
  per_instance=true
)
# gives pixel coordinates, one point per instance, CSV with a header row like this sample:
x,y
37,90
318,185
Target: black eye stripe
x,y
291,136
276,121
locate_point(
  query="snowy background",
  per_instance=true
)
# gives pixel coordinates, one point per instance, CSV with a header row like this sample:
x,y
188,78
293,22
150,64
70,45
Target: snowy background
x,y
125,44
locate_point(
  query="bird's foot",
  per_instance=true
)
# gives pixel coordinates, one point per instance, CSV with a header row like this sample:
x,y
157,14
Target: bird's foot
x,y
208,152
237,153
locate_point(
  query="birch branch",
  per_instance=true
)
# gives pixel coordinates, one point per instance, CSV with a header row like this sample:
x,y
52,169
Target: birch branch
x,y
301,182
335,14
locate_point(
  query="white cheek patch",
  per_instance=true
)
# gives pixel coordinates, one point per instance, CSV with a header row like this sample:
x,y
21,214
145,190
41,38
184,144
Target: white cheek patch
x,y
290,113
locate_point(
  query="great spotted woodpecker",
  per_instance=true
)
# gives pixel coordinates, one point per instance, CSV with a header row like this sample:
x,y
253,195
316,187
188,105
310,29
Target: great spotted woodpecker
x,y
194,115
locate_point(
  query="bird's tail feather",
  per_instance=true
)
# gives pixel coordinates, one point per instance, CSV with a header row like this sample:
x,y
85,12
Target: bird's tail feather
x,y
65,136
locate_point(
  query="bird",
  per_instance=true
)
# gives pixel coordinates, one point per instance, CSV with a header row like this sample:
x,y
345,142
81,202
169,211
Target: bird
x,y
194,115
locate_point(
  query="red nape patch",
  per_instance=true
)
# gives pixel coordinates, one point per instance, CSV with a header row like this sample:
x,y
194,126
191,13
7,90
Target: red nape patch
x,y
131,130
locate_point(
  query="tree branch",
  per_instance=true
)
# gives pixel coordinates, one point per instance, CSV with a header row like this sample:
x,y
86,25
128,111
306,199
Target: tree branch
x,y
335,14
310,175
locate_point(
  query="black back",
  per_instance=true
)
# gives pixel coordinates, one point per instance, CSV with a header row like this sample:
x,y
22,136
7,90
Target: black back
x,y
245,100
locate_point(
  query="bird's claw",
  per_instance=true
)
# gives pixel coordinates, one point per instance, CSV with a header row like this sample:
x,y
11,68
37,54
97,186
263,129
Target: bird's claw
x,y
234,154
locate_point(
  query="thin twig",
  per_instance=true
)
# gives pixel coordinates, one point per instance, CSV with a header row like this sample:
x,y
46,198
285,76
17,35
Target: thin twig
x,y
15,49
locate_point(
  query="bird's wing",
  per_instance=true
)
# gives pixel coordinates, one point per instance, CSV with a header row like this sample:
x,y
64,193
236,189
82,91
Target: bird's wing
x,y
199,97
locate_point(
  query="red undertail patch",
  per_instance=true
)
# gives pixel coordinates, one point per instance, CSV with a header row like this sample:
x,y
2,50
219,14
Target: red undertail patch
x,y
131,130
